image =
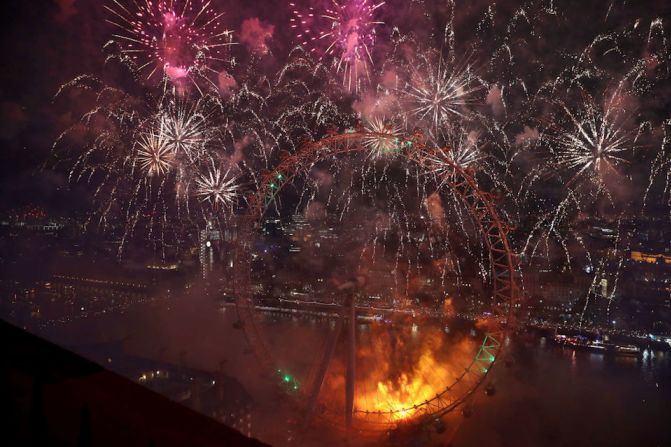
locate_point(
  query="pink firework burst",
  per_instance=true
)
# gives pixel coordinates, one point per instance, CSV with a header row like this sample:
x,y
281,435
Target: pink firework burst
x,y
179,40
345,31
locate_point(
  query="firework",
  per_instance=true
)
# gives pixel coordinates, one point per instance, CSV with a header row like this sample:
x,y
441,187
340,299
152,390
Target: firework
x,y
593,146
150,163
454,149
384,138
185,128
155,152
348,37
176,39
217,187
441,93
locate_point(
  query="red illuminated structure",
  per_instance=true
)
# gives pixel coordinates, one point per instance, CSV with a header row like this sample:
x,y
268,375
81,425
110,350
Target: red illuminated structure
x,y
504,274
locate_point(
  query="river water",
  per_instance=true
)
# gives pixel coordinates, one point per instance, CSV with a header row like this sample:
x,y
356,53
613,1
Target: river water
x,y
544,396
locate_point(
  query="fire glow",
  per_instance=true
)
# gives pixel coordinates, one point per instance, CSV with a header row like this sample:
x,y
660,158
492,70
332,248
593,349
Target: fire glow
x,y
399,374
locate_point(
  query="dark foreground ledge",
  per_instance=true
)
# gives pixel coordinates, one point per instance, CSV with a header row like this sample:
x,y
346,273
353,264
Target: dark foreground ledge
x,y
52,397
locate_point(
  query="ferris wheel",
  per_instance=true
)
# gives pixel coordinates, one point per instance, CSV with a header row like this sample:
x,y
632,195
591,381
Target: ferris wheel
x,y
350,415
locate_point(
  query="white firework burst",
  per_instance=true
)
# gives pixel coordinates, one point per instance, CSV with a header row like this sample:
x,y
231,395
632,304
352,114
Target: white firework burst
x,y
441,93
384,138
594,145
466,155
217,187
460,151
155,152
185,129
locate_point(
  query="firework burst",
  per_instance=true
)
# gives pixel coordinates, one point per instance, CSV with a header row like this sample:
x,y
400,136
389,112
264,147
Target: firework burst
x,y
181,40
217,187
594,145
148,162
455,149
441,93
348,37
155,153
384,138
185,128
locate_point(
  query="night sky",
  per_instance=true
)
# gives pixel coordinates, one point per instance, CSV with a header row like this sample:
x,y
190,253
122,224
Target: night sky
x,y
47,43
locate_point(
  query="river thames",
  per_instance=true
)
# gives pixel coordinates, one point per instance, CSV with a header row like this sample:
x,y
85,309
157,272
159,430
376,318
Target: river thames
x,y
544,395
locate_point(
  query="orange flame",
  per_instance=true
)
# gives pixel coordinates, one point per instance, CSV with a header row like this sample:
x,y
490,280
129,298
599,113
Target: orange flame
x,y
411,388
401,377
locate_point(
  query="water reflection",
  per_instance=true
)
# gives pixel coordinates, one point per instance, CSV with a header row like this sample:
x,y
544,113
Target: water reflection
x,y
554,383
596,359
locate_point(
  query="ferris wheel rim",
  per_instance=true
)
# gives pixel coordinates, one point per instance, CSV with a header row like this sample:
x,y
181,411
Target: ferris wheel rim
x,y
481,206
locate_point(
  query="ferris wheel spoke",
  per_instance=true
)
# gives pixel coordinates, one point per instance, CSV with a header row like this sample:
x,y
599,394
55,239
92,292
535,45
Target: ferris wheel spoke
x,y
351,361
329,350
506,294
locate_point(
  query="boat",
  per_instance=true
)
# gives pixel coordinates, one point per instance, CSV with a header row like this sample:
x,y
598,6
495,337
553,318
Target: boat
x,y
582,342
628,350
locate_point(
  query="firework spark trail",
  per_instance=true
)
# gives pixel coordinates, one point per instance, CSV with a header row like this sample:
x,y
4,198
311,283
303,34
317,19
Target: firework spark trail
x,y
217,187
441,93
127,162
386,138
172,134
594,147
186,130
145,163
661,167
597,143
454,149
155,152
587,144
177,40
616,248
344,31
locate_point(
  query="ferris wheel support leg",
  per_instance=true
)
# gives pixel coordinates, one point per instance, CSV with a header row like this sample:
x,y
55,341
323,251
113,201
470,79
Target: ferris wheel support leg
x,y
351,358
323,367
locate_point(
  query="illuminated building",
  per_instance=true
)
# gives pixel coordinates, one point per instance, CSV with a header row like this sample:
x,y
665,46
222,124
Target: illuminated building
x,y
210,245
650,258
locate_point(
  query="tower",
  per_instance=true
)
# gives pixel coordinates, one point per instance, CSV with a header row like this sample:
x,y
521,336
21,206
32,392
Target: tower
x,y
210,244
